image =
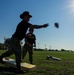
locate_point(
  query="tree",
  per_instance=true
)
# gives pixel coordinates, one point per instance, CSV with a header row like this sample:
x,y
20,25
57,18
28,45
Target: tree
x,y
63,50
7,43
1,46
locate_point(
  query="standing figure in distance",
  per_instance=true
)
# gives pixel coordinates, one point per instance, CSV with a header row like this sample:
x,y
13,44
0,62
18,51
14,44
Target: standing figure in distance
x,y
30,42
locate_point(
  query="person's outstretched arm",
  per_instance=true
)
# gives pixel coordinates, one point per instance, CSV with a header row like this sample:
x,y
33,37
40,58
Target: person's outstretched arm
x,y
39,26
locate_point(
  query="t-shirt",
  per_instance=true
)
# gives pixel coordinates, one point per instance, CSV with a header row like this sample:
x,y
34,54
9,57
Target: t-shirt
x,y
21,30
30,38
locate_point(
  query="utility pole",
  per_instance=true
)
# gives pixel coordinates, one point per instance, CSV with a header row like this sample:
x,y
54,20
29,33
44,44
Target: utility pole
x,y
38,45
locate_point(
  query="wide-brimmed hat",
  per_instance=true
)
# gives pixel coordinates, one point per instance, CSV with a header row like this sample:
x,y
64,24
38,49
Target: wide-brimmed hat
x,y
26,13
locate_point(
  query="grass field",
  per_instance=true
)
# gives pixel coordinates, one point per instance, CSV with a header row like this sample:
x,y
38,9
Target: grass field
x,y
46,67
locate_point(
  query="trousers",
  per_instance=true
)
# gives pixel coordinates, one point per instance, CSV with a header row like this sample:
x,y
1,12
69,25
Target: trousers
x,y
15,48
28,49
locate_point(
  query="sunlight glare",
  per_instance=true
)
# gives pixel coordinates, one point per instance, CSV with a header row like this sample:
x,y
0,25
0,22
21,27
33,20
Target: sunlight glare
x,y
71,6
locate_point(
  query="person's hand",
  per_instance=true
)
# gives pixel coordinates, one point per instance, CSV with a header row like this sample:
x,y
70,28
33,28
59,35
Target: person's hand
x,y
45,25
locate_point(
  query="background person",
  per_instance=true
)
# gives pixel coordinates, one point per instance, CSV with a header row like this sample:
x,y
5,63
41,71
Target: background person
x,y
30,42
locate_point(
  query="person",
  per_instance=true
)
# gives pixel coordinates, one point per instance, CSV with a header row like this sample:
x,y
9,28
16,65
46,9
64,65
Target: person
x,y
19,35
30,42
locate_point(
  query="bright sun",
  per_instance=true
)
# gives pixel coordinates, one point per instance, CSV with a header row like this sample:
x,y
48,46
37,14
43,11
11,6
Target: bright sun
x,y
71,6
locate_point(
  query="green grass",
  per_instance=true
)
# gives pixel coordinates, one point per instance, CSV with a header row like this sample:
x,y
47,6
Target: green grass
x,y
49,67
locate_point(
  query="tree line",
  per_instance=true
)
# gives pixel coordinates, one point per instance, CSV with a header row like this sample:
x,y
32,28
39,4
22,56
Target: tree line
x,y
5,45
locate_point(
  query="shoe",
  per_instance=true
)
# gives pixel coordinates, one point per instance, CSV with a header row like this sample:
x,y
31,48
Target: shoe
x,y
21,60
31,62
1,61
20,71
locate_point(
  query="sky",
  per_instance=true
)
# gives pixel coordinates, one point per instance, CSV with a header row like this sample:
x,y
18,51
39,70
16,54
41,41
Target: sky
x,y
43,11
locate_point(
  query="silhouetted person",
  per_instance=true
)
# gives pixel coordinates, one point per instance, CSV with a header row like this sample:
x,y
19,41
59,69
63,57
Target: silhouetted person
x,y
30,42
19,35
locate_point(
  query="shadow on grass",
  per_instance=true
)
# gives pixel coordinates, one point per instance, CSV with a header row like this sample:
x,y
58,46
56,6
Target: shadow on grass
x,y
9,71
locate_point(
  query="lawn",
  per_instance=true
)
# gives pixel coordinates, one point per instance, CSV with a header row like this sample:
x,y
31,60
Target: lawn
x,y
46,67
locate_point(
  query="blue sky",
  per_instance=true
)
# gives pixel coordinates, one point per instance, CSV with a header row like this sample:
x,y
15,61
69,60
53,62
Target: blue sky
x,y
43,11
